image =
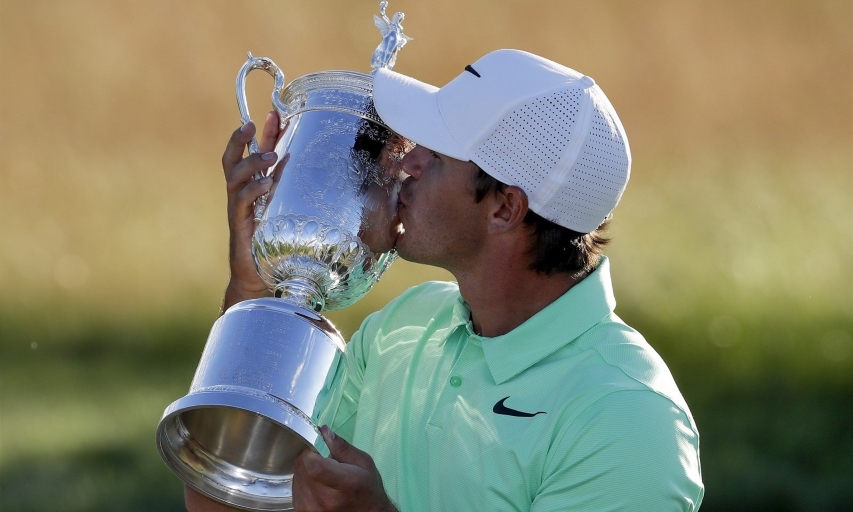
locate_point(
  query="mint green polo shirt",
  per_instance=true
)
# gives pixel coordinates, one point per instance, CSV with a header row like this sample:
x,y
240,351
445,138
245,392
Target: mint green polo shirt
x,y
572,410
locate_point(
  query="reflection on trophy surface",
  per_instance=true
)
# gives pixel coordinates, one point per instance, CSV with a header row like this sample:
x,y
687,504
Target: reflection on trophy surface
x,y
382,176
324,235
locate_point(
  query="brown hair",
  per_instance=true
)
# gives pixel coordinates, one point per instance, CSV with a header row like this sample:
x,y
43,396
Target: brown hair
x,y
554,248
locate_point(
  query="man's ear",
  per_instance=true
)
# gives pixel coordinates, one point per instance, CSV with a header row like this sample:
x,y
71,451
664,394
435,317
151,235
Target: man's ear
x,y
510,208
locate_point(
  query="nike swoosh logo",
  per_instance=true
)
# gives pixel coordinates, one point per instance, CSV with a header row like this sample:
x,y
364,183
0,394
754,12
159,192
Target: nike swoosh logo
x,y
500,408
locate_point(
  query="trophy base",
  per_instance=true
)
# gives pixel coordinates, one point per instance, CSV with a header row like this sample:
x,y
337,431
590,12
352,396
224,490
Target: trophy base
x,y
236,448
260,391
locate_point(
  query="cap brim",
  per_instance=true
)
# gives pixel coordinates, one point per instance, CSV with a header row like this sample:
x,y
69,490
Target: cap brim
x,y
410,108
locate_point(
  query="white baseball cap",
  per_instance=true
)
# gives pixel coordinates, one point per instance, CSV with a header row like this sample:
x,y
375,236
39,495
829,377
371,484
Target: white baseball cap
x,y
527,122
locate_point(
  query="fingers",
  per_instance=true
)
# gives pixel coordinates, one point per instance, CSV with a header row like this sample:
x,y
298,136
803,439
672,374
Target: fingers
x,y
243,189
345,469
243,202
341,451
241,137
313,463
245,171
236,146
332,474
335,484
242,185
269,135
308,493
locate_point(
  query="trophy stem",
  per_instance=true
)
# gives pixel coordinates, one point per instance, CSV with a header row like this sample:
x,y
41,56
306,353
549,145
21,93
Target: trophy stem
x,y
301,292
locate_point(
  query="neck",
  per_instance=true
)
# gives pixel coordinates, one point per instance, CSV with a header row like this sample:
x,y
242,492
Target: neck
x,y
504,293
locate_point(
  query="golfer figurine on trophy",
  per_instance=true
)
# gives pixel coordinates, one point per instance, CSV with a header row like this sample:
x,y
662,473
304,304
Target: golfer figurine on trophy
x,y
323,238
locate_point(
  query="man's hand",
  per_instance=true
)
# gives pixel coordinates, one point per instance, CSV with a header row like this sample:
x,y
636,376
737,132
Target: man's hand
x,y
348,480
243,190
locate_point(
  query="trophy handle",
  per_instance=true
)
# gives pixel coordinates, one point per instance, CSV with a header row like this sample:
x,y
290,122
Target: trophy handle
x,y
270,67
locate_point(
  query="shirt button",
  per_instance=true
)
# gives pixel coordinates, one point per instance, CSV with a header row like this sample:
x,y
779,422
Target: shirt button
x,y
455,381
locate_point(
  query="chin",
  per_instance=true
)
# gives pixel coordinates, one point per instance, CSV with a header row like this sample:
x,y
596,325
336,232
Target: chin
x,y
400,244
406,251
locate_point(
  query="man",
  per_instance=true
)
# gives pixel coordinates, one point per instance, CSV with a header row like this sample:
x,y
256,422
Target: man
x,y
517,388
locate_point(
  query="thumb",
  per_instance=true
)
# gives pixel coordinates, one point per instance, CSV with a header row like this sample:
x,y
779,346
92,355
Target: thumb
x,y
341,451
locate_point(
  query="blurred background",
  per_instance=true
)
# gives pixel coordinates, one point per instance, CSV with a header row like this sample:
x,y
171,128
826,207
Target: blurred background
x,y
732,248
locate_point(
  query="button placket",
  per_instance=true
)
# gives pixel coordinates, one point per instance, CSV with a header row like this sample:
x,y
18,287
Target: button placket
x,y
453,380
463,361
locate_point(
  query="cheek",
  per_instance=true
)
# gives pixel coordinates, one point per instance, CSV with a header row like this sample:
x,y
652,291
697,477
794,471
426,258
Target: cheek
x,y
381,225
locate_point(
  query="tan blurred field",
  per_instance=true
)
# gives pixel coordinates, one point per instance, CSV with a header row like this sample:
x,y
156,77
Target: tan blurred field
x,y
114,114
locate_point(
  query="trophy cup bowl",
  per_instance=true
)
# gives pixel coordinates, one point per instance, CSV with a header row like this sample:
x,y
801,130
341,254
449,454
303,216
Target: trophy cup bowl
x,y
324,235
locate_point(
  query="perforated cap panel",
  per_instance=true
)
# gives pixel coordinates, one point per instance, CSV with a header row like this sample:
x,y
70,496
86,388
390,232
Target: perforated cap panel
x,y
597,178
567,151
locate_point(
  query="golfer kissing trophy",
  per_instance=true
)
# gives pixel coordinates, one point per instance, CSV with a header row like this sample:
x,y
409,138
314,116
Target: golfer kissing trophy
x,y
324,235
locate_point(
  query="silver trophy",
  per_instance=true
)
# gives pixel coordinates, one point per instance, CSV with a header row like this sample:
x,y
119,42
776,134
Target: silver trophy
x,y
324,236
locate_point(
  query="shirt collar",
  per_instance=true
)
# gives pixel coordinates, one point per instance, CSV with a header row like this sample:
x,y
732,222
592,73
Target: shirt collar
x,y
555,326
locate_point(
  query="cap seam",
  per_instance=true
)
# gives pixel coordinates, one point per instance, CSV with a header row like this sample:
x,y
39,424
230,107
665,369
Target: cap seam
x,y
439,97
571,153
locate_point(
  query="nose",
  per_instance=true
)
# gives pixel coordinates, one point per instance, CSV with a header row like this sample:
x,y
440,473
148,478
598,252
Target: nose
x,y
415,161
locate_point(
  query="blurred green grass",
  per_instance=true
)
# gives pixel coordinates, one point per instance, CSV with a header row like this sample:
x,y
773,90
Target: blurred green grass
x,y
776,434
732,249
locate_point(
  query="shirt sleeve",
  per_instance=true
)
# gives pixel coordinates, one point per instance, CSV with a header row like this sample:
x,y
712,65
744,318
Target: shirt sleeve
x,y
631,450
347,383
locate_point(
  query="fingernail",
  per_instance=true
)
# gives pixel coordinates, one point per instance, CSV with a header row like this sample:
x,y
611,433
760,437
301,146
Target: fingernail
x,y
269,156
266,180
328,432
245,126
